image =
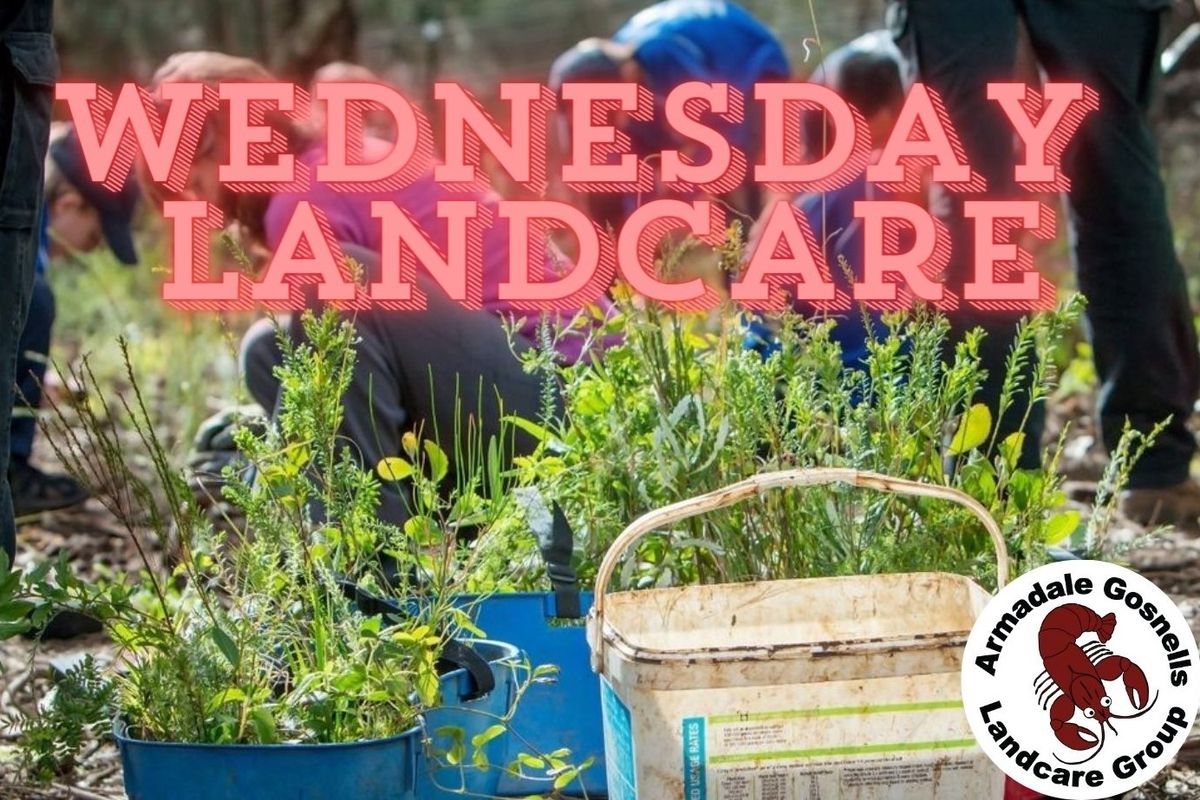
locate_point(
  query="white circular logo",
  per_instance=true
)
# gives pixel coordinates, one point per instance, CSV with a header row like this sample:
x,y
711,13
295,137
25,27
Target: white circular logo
x,y
1081,680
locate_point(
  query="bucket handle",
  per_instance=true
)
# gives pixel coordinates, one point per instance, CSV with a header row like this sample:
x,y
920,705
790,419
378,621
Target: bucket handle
x,y
756,485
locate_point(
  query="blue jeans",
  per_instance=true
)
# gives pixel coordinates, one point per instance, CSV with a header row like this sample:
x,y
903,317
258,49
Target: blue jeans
x,y
28,68
32,355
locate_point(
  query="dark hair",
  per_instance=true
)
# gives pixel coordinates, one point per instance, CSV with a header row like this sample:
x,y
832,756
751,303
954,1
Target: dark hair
x,y
590,61
871,82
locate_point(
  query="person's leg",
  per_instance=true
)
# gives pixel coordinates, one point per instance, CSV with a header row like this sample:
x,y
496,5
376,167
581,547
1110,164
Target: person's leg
x,y
34,491
1141,322
259,355
16,271
960,47
448,373
32,353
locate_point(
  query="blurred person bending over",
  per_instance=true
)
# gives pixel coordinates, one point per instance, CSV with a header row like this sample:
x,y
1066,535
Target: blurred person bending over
x,y
434,372
662,47
1138,314
28,68
868,74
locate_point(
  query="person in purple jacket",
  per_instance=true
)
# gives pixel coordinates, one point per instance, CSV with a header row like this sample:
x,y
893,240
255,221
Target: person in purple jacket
x,y
444,372
668,44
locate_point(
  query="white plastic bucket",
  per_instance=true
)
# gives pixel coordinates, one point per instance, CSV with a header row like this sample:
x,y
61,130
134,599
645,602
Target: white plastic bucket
x,y
790,690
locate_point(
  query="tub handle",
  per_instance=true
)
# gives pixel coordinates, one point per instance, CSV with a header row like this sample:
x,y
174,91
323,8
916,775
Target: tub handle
x,y
461,655
557,543
756,485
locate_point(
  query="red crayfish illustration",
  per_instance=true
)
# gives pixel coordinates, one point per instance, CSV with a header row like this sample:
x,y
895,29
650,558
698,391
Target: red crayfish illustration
x,y
1076,673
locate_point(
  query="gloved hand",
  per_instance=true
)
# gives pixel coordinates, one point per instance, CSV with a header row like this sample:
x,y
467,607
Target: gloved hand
x,y
216,432
214,449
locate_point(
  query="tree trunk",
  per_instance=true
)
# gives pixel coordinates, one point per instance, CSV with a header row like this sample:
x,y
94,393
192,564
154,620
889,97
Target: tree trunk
x,y
217,28
310,34
261,21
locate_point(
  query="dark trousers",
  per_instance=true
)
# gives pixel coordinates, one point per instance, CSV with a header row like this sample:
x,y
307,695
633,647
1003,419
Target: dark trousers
x,y
33,354
17,252
447,373
28,68
1138,315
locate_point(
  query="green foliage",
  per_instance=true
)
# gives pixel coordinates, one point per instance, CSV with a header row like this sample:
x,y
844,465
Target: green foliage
x,y
183,359
463,516
455,754
250,638
75,711
674,412
1091,540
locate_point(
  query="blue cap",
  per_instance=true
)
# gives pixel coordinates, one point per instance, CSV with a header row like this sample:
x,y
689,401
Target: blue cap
x,y
116,209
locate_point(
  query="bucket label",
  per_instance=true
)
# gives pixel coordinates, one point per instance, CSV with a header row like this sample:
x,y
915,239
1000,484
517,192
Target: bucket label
x,y
863,780
694,763
887,737
618,745
1080,680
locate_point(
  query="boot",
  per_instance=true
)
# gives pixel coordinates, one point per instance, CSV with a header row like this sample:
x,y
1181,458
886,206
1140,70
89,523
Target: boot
x,y
1177,505
34,491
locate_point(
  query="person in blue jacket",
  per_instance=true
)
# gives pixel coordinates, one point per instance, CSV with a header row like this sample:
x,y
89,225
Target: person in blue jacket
x,y
671,43
867,73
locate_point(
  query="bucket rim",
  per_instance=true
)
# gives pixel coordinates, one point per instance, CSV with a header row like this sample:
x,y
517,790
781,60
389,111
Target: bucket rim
x,y
610,629
611,633
120,732
787,651
524,595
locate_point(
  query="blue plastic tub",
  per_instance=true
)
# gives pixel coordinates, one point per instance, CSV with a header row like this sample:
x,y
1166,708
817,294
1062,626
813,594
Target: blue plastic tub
x,y
380,769
564,713
461,708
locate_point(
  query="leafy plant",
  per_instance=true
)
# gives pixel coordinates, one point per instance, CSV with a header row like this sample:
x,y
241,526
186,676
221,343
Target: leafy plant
x,y
99,300
76,711
251,638
674,411
555,770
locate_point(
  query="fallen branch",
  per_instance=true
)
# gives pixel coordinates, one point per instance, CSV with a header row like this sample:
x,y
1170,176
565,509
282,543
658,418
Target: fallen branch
x,y
83,794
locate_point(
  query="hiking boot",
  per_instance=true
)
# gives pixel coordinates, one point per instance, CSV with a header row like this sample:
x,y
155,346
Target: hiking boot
x,y
34,491
66,624
1177,505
